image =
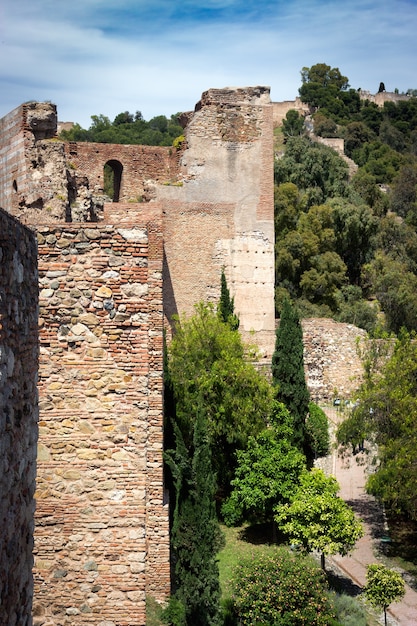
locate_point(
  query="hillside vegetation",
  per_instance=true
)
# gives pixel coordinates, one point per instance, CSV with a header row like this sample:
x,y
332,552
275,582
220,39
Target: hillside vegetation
x,y
347,247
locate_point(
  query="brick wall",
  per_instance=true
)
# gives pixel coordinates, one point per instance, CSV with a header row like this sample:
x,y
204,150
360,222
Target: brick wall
x,y
139,165
102,536
221,214
18,417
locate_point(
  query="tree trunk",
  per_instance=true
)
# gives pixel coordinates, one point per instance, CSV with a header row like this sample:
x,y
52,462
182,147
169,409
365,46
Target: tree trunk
x,y
323,562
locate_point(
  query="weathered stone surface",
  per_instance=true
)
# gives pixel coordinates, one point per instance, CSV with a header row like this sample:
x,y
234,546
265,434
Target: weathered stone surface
x,y
100,385
18,418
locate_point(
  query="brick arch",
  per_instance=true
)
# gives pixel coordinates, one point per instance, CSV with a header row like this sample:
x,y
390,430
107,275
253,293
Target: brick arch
x,y
116,168
140,164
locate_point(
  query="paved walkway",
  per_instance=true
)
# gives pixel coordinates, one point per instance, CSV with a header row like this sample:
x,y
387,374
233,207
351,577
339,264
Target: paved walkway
x,y
352,477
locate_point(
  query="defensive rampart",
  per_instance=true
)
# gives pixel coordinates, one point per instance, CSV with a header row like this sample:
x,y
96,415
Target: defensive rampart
x,y
102,535
18,417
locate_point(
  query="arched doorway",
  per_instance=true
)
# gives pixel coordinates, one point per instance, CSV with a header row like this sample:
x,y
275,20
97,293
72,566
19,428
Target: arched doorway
x,y
112,179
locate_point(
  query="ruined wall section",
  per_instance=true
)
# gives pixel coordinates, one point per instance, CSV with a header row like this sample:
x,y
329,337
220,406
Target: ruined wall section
x,y
18,417
332,363
140,165
102,532
33,174
220,213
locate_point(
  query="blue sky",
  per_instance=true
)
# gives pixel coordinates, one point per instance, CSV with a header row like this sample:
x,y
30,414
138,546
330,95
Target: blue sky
x,y
158,56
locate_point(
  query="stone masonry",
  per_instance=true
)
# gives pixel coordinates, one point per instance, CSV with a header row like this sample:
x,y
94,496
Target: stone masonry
x,y
18,417
102,535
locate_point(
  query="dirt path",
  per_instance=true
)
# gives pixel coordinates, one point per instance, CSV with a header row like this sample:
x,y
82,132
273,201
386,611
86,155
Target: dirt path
x,y
351,477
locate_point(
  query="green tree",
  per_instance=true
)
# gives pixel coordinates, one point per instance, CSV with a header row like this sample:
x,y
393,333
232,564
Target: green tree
x,y
227,305
317,518
317,170
395,286
288,371
208,361
317,431
266,473
383,586
386,414
324,75
355,227
196,537
293,124
281,588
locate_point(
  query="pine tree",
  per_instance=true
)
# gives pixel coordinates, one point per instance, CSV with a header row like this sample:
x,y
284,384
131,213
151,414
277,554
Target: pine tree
x,y
288,371
196,536
227,305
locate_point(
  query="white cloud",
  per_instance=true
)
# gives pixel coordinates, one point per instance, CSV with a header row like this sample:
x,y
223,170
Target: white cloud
x,y
93,56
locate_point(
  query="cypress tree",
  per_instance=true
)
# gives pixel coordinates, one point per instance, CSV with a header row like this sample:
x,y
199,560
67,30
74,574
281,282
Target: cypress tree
x,y
195,536
288,371
227,305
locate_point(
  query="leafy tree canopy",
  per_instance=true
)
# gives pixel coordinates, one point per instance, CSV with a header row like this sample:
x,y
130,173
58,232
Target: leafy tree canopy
x,y
317,518
383,586
386,414
127,128
266,473
208,362
283,589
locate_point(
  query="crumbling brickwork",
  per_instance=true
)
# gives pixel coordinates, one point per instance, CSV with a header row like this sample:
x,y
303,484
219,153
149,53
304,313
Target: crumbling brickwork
x,y
102,539
18,417
222,213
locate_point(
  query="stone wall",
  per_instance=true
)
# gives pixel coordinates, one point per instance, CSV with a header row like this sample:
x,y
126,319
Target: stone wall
x,y
333,367
280,109
31,172
102,538
221,214
381,97
18,417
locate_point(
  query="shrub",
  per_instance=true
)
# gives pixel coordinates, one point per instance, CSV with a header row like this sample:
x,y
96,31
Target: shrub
x,y
317,431
281,589
349,611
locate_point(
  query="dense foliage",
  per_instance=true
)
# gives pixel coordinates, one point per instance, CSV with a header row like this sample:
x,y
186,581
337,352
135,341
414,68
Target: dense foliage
x,y
317,431
195,536
281,589
267,472
386,414
127,128
208,362
345,246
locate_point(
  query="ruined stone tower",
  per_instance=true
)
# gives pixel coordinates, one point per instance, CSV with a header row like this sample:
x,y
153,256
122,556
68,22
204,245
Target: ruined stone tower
x,y
109,275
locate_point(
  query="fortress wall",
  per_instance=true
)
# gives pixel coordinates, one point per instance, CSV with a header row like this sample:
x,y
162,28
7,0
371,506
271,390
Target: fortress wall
x,y
18,417
102,533
140,165
20,132
280,109
332,364
13,169
221,212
